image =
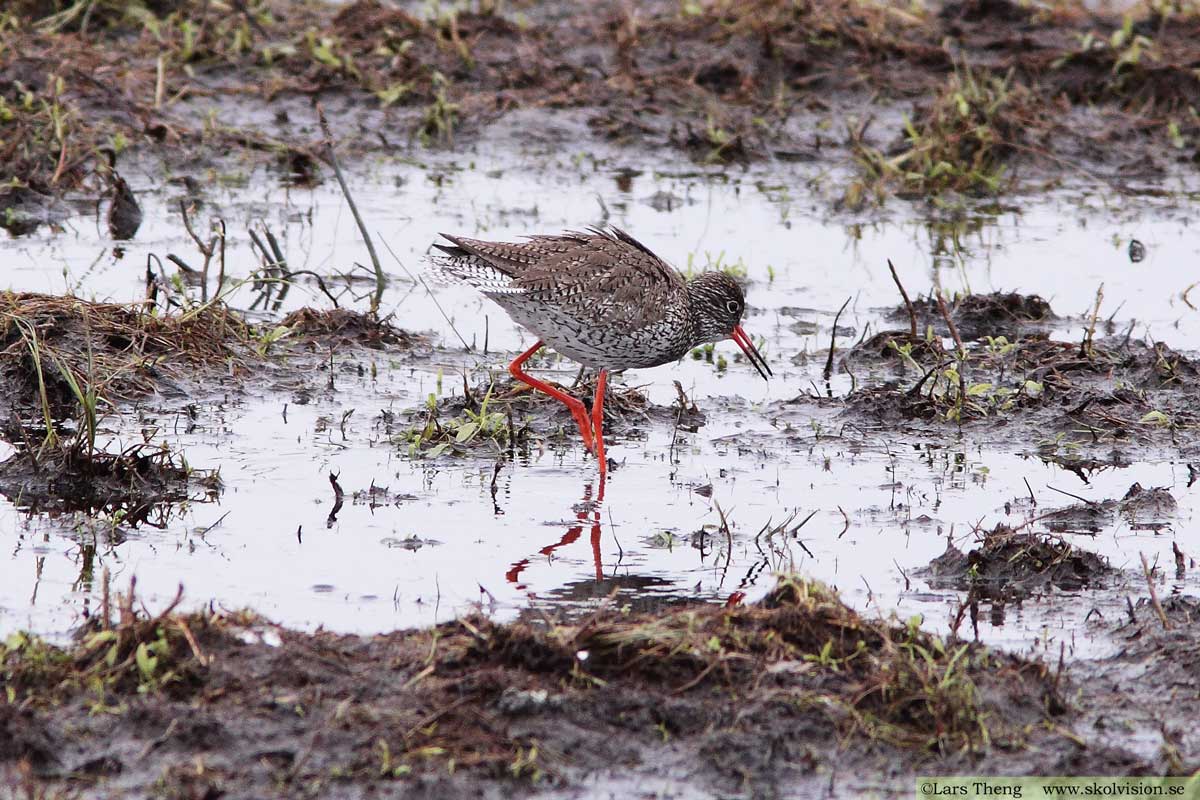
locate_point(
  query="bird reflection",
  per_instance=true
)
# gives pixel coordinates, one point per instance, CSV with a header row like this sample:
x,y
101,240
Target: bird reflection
x,y
588,514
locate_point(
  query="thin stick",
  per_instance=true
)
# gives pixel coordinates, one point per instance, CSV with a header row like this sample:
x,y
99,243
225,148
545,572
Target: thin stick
x,y
62,162
728,537
833,338
206,250
192,643
1188,291
958,342
1085,347
912,314
221,268
160,82
380,278
1068,494
419,279
1158,609
105,601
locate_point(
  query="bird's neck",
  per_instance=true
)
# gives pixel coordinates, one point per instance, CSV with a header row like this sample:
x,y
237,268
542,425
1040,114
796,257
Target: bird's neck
x,y
697,330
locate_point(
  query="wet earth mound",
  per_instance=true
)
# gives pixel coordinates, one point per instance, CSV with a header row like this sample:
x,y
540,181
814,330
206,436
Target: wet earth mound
x,y
978,315
716,696
1009,565
497,416
139,485
1051,394
1142,509
56,350
344,326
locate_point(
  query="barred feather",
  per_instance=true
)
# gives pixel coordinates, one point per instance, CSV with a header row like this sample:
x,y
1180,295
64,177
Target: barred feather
x,y
599,297
472,271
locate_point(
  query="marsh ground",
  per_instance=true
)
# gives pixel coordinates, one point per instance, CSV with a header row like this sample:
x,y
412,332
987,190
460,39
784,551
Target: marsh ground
x,y
997,485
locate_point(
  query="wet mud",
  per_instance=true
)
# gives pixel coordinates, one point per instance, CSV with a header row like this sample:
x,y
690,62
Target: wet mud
x,y
1010,565
1005,89
69,365
796,693
791,694
1067,401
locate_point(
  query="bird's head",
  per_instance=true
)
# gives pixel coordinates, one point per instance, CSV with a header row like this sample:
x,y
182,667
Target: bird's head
x,y
719,303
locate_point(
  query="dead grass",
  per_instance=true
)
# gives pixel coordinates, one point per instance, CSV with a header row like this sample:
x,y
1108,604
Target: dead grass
x,y
51,346
873,678
473,695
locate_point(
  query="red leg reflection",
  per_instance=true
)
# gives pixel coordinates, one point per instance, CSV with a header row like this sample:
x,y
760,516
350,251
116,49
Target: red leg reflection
x,y
573,533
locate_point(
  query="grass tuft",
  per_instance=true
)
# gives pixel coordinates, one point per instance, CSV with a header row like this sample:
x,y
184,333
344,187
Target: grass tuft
x,y
959,142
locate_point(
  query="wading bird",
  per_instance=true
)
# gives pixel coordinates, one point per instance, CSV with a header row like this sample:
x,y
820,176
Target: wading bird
x,y
601,298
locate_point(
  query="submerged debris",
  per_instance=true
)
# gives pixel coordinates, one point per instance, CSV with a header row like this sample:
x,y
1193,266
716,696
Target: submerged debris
x,y
139,485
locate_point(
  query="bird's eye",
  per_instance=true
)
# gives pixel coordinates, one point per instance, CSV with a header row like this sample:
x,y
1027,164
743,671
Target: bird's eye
x,y
732,307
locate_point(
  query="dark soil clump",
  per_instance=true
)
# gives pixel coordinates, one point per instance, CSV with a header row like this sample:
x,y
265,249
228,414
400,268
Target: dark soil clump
x,y
1148,509
137,486
344,326
976,316
1008,565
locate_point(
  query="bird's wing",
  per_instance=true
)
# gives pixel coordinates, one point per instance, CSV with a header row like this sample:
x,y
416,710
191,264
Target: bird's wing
x,y
603,276
510,258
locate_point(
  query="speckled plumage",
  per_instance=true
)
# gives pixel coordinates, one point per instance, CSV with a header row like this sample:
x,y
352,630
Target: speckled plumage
x,y
599,297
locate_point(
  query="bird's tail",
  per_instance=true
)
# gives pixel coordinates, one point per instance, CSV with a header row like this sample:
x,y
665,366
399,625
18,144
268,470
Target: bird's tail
x,y
454,264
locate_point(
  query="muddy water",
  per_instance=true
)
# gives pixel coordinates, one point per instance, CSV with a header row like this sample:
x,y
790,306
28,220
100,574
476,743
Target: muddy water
x,y
444,538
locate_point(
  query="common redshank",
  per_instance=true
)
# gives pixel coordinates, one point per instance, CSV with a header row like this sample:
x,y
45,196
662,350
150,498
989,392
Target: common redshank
x,y
603,299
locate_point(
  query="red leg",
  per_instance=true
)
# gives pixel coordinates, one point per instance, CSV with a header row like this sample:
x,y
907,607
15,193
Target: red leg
x,y
578,411
598,423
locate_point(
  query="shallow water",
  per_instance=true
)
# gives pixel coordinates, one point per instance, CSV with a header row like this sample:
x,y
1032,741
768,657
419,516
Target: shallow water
x,y
883,508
